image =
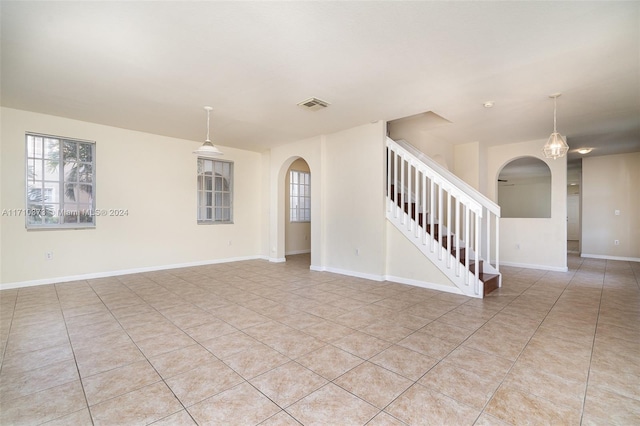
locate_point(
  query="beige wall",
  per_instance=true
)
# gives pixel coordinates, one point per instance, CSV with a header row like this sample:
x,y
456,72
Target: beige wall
x,y
415,131
151,176
407,264
610,183
534,243
347,200
354,205
467,163
525,197
297,234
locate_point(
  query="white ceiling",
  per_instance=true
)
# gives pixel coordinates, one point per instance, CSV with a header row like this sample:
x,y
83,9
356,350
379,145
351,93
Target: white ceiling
x,y
152,66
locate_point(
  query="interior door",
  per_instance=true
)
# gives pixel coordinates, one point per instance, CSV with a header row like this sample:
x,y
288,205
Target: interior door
x,y
573,217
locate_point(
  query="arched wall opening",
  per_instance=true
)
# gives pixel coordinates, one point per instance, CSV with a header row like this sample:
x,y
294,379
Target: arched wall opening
x,y
524,188
293,236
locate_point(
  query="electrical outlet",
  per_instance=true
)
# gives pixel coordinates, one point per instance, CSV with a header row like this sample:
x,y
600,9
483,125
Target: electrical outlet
x,y
616,242
616,212
357,252
48,255
518,246
229,242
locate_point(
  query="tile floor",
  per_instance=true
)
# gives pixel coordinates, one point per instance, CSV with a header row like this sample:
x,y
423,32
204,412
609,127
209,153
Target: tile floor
x,y
276,344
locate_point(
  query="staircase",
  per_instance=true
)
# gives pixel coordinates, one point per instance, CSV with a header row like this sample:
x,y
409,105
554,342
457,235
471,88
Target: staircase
x,y
451,223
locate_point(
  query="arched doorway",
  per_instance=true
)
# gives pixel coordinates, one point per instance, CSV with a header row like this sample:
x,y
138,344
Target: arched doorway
x,y
297,211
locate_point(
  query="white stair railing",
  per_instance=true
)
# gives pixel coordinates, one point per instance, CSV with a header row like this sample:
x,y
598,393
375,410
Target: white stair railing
x,y
453,224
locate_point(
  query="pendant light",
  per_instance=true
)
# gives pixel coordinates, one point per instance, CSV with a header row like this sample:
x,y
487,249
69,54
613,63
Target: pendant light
x,y
556,146
207,149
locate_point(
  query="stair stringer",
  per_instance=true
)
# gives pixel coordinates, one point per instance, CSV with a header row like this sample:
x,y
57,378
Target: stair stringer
x,y
432,249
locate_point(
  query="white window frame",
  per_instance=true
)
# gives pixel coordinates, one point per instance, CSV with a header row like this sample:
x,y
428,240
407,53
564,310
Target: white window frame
x,y
44,213
214,201
299,196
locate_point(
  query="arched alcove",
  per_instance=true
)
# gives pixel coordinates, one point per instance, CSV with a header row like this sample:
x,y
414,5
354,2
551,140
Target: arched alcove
x,y
524,188
297,208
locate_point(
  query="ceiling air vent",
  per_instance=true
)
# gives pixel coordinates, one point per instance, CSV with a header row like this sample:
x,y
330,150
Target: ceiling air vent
x,y
314,104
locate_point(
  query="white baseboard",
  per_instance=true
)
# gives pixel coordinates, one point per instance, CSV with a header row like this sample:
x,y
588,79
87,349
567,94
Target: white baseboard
x,y
31,283
424,284
348,273
294,252
532,266
600,256
277,259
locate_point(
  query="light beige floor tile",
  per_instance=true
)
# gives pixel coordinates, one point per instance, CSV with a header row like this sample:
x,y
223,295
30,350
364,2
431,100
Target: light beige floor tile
x,y
546,385
210,330
488,420
15,385
421,405
331,404
294,343
467,387
141,406
281,419
255,361
77,418
230,344
25,361
328,331
362,345
405,362
44,406
181,418
384,419
18,343
207,379
243,404
387,330
513,406
164,343
606,408
112,383
428,345
329,361
483,363
92,361
180,361
374,384
288,383
447,331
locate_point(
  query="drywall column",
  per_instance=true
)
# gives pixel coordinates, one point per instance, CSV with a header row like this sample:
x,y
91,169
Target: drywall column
x,y
611,206
533,243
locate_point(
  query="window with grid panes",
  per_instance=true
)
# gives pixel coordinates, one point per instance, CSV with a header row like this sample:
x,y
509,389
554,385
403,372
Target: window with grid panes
x,y
60,190
300,196
215,191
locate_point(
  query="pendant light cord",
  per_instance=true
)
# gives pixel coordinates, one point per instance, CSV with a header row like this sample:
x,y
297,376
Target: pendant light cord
x,y
208,114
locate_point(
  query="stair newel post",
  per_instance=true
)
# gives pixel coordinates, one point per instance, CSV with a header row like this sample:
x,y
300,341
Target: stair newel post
x,y
487,234
409,192
440,221
497,244
478,216
424,207
457,237
389,198
431,215
402,161
416,199
449,228
396,159
466,244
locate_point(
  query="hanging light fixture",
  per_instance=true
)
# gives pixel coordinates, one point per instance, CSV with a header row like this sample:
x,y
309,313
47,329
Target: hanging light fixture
x,y
556,146
208,149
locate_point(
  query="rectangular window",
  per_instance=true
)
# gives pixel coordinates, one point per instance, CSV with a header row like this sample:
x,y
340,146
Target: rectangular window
x,y
60,190
300,196
215,191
